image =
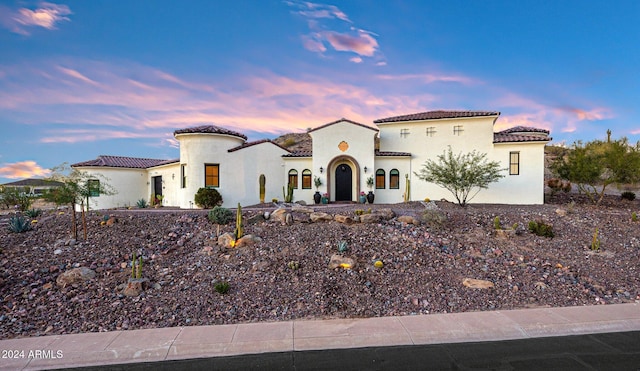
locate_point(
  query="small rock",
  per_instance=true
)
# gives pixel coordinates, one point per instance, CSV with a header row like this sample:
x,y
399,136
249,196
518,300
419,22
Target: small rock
x,y
279,215
338,261
477,284
561,212
57,252
112,220
75,275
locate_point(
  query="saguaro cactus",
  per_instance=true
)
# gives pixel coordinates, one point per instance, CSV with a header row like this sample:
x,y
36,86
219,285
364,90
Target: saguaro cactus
x,y
407,192
262,181
239,228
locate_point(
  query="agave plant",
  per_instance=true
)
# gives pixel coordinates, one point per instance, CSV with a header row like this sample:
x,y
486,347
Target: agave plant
x,y
19,224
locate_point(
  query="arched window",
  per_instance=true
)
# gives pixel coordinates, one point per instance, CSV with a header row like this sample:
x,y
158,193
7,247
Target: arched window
x,y
306,179
394,179
293,178
379,179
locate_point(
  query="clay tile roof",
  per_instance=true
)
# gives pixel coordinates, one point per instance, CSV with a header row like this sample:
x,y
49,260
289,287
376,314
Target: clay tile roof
x,y
435,115
34,183
249,144
523,129
341,120
209,129
124,162
392,154
299,154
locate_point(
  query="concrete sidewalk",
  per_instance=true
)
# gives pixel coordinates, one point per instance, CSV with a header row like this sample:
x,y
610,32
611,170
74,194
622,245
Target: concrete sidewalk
x,y
282,339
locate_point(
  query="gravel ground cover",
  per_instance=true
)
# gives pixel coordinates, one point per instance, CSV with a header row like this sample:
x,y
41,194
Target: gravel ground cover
x,y
426,267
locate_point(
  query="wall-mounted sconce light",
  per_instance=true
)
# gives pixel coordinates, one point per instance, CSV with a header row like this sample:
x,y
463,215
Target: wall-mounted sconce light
x,y
365,169
147,183
321,169
173,176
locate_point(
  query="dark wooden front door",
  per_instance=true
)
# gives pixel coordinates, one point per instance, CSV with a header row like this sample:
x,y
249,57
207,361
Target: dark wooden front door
x,y
157,185
343,183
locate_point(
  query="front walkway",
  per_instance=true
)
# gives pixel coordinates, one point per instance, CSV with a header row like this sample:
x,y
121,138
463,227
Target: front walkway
x,y
179,343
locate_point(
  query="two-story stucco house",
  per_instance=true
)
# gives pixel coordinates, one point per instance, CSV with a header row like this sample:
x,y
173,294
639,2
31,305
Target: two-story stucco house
x,y
343,156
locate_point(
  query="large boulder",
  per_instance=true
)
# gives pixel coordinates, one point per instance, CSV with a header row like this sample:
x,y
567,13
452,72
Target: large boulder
x,y
345,219
75,275
370,218
385,214
279,215
320,216
408,219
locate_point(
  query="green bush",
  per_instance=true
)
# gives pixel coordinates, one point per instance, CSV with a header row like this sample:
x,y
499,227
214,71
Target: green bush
x,y
628,195
16,196
541,228
222,287
19,224
220,215
208,198
33,213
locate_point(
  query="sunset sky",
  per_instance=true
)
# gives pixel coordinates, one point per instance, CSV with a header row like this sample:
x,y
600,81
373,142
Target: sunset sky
x,y
81,78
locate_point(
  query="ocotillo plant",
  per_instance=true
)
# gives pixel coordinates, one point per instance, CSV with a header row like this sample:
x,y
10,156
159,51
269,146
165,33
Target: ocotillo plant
x,y
262,181
239,229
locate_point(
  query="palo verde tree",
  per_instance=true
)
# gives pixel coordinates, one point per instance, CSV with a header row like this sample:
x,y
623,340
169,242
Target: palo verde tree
x,y
595,165
464,175
77,189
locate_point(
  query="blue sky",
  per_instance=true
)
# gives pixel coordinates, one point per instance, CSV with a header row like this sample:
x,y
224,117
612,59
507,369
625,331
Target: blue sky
x,y
83,78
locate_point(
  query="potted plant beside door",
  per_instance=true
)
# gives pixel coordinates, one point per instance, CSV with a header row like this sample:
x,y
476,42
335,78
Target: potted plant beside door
x,y
363,197
370,195
317,197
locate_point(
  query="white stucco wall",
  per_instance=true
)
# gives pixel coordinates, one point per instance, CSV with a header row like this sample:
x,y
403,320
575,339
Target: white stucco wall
x,y
299,164
358,153
388,195
128,183
196,150
241,182
170,183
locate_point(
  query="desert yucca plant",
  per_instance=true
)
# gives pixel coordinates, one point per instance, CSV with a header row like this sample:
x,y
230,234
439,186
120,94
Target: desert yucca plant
x,y
19,224
342,246
142,203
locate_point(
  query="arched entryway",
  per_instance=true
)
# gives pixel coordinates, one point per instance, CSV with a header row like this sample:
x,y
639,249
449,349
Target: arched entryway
x,y
344,182
343,178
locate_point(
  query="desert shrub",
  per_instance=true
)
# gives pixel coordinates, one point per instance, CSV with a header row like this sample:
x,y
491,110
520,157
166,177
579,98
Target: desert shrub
x,y
496,223
142,203
208,198
16,196
289,142
634,217
222,287
540,228
628,195
19,224
220,215
434,218
33,213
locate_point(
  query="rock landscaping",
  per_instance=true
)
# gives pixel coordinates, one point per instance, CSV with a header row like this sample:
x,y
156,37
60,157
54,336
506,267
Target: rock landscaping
x,y
321,261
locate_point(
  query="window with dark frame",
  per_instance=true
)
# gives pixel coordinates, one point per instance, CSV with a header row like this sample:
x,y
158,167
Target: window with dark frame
x,y
380,175
212,175
514,163
94,187
306,179
183,176
394,179
293,178
404,133
457,130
